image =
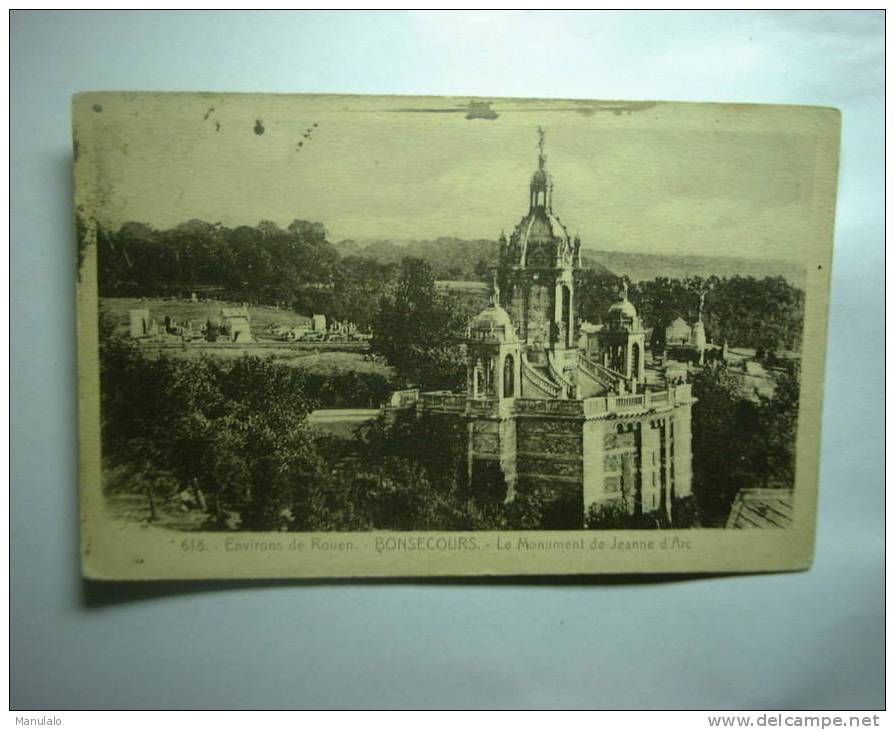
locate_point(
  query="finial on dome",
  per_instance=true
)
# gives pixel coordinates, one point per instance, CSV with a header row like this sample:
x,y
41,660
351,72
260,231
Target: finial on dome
x,y
541,184
495,290
624,291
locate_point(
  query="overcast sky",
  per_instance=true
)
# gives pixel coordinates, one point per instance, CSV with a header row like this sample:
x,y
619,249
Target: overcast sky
x,y
649,178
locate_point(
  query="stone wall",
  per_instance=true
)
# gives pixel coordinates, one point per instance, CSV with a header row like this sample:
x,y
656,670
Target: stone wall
x,y
549,467
639,461
494,439
681,453
652,465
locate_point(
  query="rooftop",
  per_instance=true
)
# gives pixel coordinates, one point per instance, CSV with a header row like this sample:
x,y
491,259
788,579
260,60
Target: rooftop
x,y
761,508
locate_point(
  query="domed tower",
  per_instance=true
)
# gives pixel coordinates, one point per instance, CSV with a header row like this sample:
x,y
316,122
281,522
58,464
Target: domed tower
x,y
494,381
622,339
536,270
492,353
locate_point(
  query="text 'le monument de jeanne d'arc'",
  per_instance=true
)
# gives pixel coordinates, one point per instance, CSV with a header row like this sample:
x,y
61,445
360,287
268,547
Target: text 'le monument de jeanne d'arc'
x,y
575,419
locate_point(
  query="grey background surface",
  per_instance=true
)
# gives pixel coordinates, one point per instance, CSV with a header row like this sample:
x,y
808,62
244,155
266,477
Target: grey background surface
x,y
811,640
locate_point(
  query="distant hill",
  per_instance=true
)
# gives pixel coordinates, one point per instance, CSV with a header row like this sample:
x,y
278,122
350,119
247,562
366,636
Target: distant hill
x,y
592,263
458,259
644,267
455,259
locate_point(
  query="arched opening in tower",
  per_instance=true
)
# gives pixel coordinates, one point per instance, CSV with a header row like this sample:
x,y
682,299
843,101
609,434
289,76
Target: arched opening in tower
x,y
566,316
509,383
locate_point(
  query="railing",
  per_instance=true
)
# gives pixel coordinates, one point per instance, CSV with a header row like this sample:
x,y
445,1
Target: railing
x,y
596,372
542,384
481,406
595,407
539,381
489,334
679,394
455,402
614,404
403,398
556,372
609,372
599,372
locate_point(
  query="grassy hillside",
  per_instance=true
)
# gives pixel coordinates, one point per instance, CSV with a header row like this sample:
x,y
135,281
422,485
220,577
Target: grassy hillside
x,y
116,310
320,359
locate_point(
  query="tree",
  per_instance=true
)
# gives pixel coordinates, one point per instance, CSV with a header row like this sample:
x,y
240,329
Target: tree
x,y
359,284
253,268
726,452
417,333
236,431
482,270
595,293
611,516
779,421
660,301
267,408
127,259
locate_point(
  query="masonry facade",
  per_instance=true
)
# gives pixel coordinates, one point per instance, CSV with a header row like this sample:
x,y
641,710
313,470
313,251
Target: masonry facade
x,y
577,429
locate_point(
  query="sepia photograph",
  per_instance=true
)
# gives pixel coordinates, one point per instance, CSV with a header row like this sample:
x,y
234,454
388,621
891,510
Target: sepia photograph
x,y
376,315
437,360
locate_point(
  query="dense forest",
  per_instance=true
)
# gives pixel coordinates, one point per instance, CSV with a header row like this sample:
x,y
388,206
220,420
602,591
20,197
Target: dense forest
x,y
764,314
299,267
235,433
450,258
296,267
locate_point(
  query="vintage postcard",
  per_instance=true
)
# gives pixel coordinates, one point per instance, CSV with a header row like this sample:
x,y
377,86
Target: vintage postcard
x,y
339,336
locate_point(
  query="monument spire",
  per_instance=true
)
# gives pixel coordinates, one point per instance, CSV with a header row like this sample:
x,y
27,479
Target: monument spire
x,y
541,185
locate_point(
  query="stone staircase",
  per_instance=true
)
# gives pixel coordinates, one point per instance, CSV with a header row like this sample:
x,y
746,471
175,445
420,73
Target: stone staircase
x,y
598,373
557,376
538,378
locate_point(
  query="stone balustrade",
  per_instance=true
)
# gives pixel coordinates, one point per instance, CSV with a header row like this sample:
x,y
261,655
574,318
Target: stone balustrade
x,y
444,401
481,406
595,407
403,398
447,402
